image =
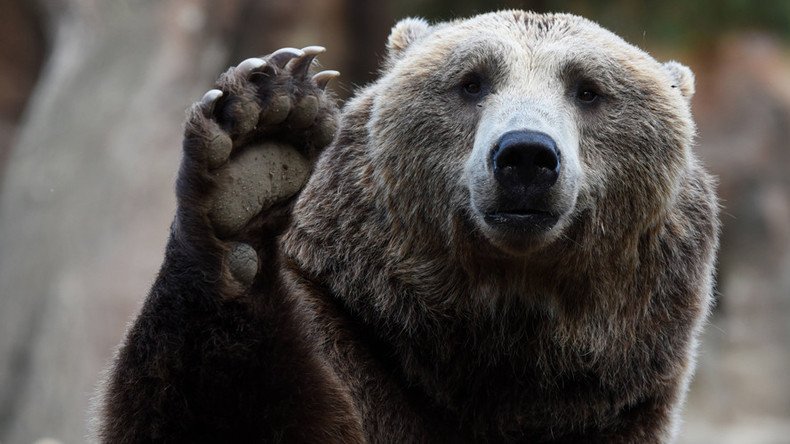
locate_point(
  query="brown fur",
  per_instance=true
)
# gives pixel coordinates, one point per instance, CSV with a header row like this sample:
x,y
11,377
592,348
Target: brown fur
x,y
434,332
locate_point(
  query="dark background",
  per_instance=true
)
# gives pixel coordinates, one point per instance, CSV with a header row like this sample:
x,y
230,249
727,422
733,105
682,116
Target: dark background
x,y
92,97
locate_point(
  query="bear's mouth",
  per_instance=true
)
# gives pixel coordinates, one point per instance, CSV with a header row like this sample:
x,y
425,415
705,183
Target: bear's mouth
x,y
522,219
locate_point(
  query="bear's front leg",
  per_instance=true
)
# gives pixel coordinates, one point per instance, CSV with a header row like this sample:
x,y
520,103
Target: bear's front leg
x,y
218,352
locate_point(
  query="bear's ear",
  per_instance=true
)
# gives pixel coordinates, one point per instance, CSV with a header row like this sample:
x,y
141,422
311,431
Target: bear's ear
x,y
682,78
403,34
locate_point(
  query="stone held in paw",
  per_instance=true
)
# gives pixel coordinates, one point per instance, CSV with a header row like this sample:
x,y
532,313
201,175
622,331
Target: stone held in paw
x,y
255,179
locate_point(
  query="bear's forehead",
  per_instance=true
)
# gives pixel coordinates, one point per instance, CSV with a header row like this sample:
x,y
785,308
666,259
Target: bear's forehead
x,y
515,23
520,37
532,31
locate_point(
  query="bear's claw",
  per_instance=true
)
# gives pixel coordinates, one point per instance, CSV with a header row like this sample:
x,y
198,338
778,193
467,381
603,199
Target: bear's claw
x,y
301,64
249,66
209,101
324,77
280,57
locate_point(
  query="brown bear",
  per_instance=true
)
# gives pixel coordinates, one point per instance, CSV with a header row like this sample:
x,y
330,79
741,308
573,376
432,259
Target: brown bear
x,y
506,239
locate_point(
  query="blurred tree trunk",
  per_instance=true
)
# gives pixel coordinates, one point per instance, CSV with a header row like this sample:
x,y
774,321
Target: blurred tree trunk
x,y
86,199
21,56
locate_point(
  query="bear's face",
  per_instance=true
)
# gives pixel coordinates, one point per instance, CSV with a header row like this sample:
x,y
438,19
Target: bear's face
x,y
526,125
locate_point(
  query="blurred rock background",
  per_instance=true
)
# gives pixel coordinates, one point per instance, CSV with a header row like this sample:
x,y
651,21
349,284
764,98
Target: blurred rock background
x,y
92,95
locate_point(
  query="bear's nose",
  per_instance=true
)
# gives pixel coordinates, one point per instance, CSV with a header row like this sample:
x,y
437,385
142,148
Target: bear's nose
x,y
525,160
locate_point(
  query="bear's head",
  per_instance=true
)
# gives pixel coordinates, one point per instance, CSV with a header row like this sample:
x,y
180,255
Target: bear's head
x,y
504,141
529,123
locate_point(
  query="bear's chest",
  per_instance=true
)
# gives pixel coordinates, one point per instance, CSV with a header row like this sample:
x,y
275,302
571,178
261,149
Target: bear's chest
x,y
439,386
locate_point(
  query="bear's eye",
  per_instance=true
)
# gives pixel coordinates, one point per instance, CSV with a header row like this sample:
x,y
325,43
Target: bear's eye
x,y
473,87
587,94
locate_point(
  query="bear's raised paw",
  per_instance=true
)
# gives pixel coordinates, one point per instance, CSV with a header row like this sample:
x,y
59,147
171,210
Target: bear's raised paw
x,y
249,147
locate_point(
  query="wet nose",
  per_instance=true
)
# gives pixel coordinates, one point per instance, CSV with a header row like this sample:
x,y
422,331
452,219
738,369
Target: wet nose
x,y
526,161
